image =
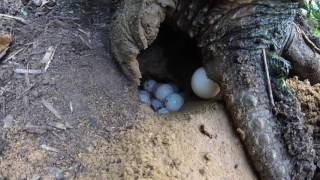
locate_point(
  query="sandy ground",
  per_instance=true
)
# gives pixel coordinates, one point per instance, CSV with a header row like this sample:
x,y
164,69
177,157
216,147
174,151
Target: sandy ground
x,y
156,148
175,148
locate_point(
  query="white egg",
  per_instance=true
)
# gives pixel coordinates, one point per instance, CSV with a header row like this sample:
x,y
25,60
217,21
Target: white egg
x,y
156,104
144,97
163,91
163,111
174,102
202,86
150,85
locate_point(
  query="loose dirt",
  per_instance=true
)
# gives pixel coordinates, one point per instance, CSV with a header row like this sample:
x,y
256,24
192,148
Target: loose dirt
x,y
309,97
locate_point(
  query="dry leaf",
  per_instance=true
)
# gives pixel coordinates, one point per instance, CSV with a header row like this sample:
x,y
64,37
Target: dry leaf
x,y
5,41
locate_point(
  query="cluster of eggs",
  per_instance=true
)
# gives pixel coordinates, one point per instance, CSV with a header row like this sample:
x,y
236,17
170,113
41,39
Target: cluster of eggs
x,y
163,98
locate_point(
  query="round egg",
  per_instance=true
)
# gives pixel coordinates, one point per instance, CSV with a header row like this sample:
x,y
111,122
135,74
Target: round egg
x,y
156,104
163,91
144,97
202,86
174,102
163,111
149,85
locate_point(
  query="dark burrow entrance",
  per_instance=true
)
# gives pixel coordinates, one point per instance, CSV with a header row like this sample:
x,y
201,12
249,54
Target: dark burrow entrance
x,y
172,58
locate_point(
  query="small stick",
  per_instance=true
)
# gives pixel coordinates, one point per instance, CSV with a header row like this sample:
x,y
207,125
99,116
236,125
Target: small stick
x,y
48,148
268,76
307,40
20,19
27,77
11,56
26,90
28,71
50,107
47,58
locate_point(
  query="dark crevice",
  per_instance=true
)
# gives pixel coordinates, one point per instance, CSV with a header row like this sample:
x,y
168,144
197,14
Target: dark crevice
x,y
173,57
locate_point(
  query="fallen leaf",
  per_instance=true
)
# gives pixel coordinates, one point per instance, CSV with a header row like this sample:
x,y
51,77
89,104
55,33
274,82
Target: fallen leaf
x,y
5,41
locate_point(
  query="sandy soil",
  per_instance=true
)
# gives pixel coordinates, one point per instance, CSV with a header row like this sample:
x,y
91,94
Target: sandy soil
x,y
175,148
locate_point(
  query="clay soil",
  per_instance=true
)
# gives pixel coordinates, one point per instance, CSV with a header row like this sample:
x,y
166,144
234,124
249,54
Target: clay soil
x,y
100,130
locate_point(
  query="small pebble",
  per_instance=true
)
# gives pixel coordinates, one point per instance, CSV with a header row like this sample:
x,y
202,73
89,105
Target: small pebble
x,y
163,111
150,85
156,104
208,157
144,97
174,102
163,91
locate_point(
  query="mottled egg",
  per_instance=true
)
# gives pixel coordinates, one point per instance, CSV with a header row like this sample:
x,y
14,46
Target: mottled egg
x,y
149,85
174,102
163,91
144,97
156,104
202,86
163,111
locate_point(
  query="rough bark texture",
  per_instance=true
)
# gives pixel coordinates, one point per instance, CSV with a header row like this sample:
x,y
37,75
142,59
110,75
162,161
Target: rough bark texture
x,y
232,36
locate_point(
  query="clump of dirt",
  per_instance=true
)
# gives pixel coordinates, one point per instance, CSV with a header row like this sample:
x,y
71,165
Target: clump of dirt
x,y
309,97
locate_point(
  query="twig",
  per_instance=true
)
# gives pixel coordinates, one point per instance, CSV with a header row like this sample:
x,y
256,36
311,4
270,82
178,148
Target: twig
x,y
71,106
28,71
67,18
27,78
19,19
26,90
268,76
85,42
205,131
35,129
47,58
50,107
308,41
48,148
11,56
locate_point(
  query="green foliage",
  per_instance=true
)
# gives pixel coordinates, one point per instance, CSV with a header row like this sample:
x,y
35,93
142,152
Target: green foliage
x,y
279,66
314,16
314,8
